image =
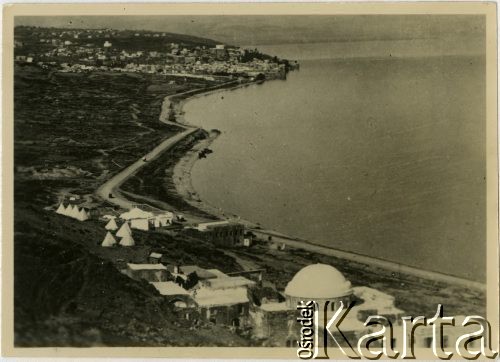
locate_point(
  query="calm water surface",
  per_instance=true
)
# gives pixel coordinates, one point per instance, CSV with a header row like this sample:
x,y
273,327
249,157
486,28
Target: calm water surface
x,y
379,156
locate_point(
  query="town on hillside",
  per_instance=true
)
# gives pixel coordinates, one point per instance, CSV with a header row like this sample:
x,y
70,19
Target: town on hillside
x,y
88,50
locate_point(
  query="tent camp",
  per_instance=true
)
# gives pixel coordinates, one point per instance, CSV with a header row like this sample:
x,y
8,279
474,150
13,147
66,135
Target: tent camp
x,y
124,230
61,210
109,240
127,241
111,225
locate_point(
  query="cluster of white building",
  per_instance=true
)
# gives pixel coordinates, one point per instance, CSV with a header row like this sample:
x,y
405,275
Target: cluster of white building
x,y
133,219
146,220
216,297
73,211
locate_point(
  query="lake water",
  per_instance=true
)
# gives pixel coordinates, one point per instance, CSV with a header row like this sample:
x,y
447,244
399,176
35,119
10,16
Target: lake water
x,y
382,156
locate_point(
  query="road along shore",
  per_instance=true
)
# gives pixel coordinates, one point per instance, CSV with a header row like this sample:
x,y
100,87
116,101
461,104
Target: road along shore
x,y
110,190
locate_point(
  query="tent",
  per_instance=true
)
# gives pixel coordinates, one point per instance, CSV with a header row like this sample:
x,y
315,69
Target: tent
x,y
111,225
109,240
83,215
136,213
68,209
127,241
61,210
141,224
164,219
124,230
74,212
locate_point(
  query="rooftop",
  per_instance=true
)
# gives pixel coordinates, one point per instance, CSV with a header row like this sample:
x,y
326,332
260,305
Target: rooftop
x,y
202,273
274,307
146,266
208,225
318,281
169,288
217,273
206,297
229,282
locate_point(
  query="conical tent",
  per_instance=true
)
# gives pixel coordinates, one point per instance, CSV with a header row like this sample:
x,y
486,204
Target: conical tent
x,y
127,241
61,209
109,240
111,225
68,209
74,213
124,230
82,215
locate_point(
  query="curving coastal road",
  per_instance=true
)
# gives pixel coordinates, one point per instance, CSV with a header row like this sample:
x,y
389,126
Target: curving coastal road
x,y
112,185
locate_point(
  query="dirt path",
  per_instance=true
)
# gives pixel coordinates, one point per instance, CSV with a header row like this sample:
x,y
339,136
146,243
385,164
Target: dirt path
x,y
244,263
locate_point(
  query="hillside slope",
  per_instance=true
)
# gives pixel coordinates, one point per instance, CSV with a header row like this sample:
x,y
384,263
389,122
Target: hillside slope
x,y
67,296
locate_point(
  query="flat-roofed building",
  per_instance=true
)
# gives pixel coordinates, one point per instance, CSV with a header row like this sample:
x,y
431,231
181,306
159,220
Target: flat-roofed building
x,y
220,233
148,272
228,282
223,306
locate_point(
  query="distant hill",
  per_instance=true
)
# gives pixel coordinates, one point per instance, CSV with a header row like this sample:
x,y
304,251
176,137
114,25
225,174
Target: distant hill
x,y
131,40
283,29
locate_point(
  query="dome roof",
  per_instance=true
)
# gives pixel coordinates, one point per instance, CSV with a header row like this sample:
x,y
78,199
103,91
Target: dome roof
x,y
318,281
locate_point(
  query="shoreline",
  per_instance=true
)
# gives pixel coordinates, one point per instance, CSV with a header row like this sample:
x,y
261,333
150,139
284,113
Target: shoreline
x,y
182,181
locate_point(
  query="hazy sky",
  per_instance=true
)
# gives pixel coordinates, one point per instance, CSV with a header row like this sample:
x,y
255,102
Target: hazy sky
x,y
246,30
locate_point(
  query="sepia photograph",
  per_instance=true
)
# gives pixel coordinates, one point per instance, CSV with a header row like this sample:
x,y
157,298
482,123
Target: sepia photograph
x,y
313,183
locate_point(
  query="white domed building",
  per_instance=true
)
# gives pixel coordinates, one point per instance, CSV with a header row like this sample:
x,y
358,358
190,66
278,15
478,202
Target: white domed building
x,y
320,283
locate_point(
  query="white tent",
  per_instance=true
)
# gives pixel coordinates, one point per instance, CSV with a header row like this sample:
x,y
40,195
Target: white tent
x,y
61,209
109,240
111,225
83,215
141,224
127,241
124,230
68,209
75,212
164,219
136,213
